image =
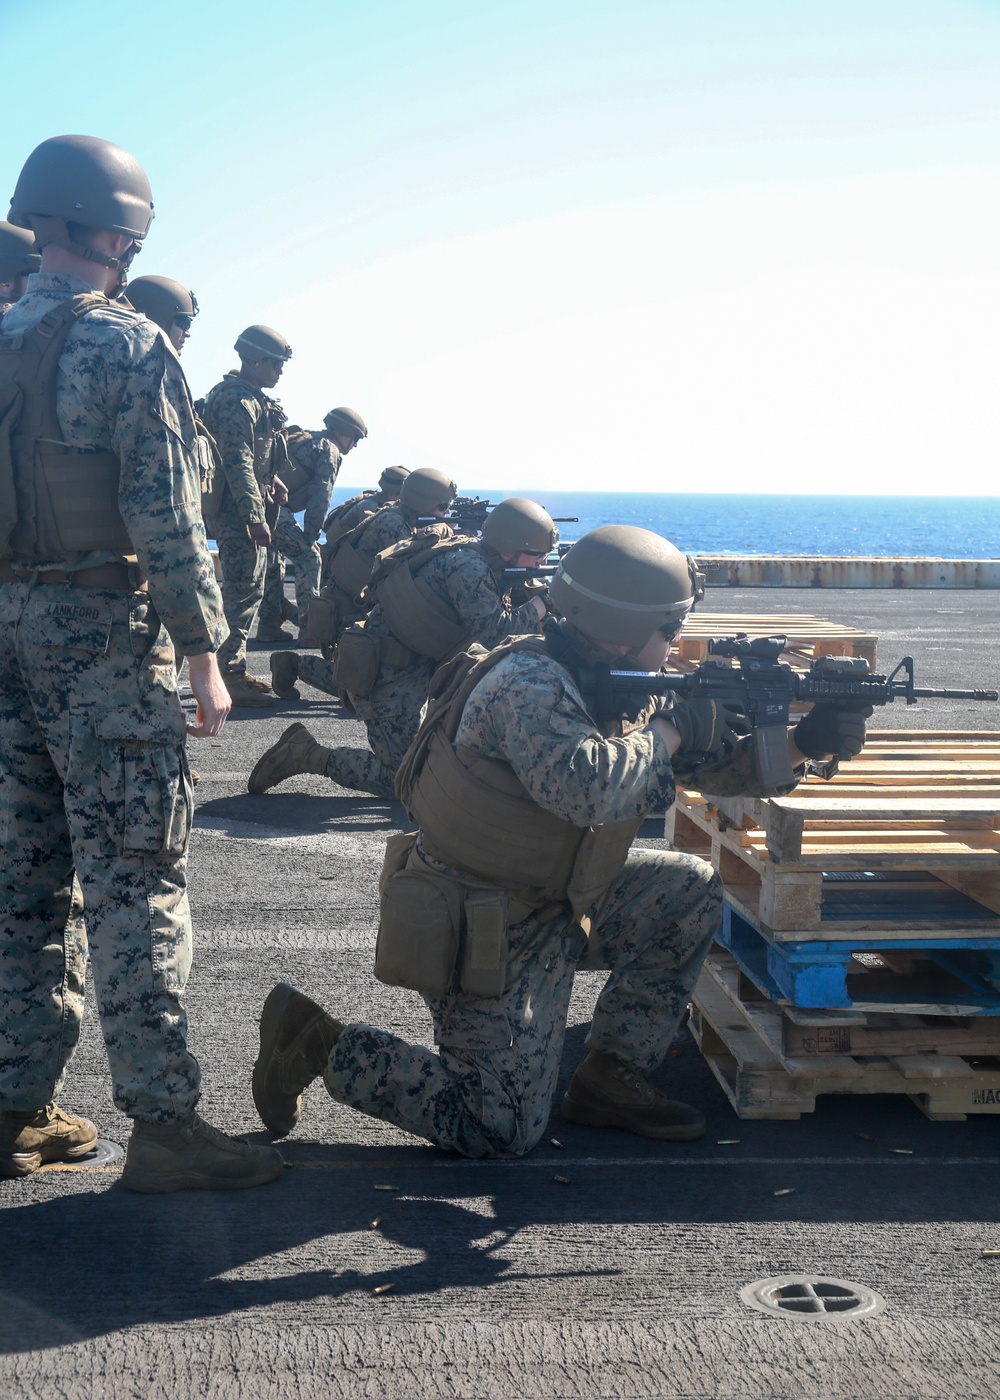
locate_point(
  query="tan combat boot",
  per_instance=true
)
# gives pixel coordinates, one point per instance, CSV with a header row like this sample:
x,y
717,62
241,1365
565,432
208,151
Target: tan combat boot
x,y
251,690
296,1038
191,1155
284,674
605,1093
30,1137
295,752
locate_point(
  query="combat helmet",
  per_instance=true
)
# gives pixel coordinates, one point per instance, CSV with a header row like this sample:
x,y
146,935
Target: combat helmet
x,y
427,489
392,478
621,584
347,421
162,300
17,252
262,343
82,182
519,526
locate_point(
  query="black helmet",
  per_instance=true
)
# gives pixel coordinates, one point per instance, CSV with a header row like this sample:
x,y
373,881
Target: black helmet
x,y
86,181
262,343
17,252
621,583
162,300
347,421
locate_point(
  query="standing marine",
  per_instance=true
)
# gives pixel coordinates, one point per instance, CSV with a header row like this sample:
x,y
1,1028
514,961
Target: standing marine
x,y
247,425
434,595
528,797
18,259
102,548
314,461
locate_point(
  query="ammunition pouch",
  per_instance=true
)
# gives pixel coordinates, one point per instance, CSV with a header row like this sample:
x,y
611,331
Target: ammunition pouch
x,y
358,662
321,621
436,934
350,568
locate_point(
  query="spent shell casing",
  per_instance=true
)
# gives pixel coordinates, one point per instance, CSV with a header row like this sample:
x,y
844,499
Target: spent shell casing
x,y
902,1151
866,1136
726,1142
562,1180
784,1191
383,1288
379,1187
991,1253
375,1223
555,1142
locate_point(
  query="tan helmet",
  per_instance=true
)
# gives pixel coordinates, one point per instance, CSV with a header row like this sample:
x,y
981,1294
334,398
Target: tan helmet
x,y
427,489
162,300
519,526
86,182
262,343
392,478
621,584
345,420
17,252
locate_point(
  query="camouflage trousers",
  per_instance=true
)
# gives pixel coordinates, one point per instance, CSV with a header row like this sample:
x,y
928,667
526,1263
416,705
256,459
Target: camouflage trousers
x,y
392,717
288,541
95,813
244,565
488,1091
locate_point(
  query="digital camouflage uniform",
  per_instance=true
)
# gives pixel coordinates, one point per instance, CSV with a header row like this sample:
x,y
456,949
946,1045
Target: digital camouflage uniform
x,y
464,580
320,460
95,796
246,424
489,1089
382,529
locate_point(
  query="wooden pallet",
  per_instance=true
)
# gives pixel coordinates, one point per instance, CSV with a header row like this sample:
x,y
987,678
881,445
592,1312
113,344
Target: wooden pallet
x,y
947,975
808,637
743,1045
907,803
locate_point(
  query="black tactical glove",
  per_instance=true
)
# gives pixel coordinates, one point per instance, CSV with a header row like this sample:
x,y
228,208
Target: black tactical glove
x,y
708,727
831,729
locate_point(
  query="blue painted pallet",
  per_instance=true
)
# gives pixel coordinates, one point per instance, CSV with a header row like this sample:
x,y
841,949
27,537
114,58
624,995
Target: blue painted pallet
x,y
964,975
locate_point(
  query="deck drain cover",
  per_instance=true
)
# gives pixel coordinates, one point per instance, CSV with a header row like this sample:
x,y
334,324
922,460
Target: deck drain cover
x,y
812,1298
105,1153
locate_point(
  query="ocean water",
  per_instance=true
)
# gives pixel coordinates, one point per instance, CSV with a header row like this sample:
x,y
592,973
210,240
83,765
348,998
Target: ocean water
x,y
949,527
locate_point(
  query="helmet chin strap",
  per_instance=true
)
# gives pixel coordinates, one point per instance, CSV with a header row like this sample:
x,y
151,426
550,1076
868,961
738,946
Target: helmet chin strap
x,y
48,229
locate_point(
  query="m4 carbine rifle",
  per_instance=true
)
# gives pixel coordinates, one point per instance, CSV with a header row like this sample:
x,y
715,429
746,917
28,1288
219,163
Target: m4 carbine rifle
x,y
763,688
467,516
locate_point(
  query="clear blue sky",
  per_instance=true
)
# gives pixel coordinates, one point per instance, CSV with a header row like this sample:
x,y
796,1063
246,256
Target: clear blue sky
x,y
697,244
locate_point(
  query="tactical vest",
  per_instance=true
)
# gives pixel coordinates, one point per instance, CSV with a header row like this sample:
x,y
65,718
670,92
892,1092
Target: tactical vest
x,y
333,527
416,615
476,816
54,501
350,564
300,468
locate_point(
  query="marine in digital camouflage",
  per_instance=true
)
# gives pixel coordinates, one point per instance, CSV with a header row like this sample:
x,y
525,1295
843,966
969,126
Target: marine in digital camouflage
x,y
321,460
95,797
246,424
488,1090
462,578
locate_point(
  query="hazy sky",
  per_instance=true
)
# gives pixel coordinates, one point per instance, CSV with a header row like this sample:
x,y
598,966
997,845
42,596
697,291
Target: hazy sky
x,y
694,245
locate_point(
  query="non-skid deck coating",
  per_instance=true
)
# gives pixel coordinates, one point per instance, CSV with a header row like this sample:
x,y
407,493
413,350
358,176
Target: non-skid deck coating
x,y
623,1281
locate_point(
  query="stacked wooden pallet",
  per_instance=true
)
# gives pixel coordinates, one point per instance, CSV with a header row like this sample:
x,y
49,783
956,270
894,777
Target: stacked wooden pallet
x,y
808,637
874,895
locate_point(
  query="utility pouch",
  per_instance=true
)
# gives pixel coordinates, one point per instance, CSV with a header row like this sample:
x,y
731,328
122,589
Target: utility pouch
x,y
357,665
420,921
485,945
321,621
